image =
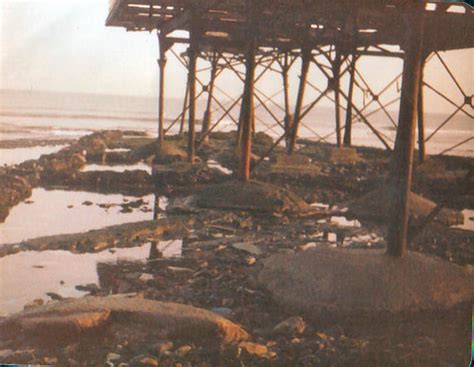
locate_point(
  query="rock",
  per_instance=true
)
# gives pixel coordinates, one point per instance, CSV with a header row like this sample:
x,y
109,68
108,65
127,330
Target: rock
x,y
163,347
259,350
147,361
91,288
377,206
250,260
54,296
112,357
13,189
247,247
58,322
290,327
35,303
145,277
252,196
364,282
182,351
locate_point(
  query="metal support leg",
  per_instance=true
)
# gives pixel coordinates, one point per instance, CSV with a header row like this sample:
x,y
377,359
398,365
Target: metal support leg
x,y
192,102
405,142
246,115
161,91
306,60
210,90
348,126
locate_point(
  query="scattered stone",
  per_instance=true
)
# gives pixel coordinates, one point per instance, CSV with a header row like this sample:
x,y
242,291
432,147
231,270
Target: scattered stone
x,y
250,260
163,347
35,303
112,357
182,351
148,361
254,349
91,288
290,327
54,296
145,277
87,203
247,247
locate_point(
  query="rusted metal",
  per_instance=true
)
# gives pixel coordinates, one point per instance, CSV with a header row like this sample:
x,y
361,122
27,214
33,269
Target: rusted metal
x,y
192,54
401,176
305,62
210,90
161,91
421,118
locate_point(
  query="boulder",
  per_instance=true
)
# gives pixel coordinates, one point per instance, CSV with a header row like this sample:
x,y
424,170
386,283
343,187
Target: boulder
x,y
342,282
58,323
250,196
377,206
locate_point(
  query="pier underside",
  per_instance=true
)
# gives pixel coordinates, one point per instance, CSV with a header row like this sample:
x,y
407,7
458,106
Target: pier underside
x,y
252,39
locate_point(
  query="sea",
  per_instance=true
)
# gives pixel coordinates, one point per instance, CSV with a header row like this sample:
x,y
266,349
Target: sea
x,y
50,115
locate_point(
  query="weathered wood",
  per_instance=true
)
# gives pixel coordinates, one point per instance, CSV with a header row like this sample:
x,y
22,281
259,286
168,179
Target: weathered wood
x,y
402,170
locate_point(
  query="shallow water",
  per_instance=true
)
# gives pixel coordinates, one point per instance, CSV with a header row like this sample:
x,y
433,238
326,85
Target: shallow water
x,y
51,212
117,168
20,155
29,275
468,220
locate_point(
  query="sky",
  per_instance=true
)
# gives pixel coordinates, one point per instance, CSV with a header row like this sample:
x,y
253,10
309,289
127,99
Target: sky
x,y
63,45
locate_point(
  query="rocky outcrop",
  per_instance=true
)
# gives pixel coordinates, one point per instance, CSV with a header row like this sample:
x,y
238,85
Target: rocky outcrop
x,y
58,323
13,189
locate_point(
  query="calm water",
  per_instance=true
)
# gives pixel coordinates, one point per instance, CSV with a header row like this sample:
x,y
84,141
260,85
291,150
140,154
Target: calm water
x,y
51,212
24,114
29,275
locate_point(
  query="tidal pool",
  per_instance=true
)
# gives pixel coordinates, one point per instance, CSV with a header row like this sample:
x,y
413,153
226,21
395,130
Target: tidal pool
x,y
19,155
29,275
51,212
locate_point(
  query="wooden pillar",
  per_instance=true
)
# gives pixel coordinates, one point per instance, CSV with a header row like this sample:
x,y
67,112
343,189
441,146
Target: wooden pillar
x,y
305,62
247,112
207,114
402,169
337,103
286,95
421,117
192,54
161,91
350,93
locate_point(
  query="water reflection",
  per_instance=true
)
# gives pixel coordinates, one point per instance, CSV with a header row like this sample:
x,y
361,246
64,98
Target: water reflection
x,y
19,155
30,275
51,212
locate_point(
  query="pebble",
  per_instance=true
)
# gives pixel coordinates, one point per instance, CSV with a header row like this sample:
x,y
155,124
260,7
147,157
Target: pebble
x,y
111,357
254,349
182,351
250,260
292,326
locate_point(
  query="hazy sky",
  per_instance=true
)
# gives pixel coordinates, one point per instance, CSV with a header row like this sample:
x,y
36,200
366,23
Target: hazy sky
x,y
63,45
